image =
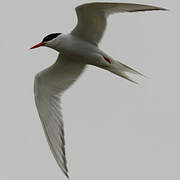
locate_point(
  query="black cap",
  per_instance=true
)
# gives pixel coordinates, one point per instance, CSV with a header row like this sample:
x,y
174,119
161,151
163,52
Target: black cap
x,y
50,37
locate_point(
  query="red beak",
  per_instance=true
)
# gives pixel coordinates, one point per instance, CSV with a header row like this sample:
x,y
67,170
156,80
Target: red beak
x,y
38,45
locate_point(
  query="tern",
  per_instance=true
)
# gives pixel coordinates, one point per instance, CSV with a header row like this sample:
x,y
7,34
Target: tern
x,y
76,50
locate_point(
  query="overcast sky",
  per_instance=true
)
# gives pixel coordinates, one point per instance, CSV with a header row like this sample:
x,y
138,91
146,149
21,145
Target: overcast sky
x,y
114,129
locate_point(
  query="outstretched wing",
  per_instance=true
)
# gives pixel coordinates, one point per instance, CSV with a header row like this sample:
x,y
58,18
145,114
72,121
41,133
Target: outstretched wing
x,y
92,18
48,88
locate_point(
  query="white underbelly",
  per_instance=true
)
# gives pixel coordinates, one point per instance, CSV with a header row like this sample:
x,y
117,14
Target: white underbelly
x,y
82,51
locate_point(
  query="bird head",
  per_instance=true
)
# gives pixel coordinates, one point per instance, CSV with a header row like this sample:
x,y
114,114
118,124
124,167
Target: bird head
x,y
48,41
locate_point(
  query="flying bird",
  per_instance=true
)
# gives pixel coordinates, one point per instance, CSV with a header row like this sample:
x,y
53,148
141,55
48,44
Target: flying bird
x,y
76,50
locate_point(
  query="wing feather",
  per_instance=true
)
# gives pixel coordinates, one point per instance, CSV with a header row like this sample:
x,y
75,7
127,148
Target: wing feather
x,y
48,87
92,18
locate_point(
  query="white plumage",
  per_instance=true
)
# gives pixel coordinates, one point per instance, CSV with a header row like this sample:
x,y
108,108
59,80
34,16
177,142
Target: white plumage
x,y
77,49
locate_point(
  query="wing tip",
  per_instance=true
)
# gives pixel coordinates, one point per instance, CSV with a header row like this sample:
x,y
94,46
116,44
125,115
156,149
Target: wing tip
x,y
66,174
153,9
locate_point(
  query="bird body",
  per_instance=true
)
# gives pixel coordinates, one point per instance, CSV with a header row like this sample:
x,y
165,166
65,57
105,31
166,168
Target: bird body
x,y
76,50
81,50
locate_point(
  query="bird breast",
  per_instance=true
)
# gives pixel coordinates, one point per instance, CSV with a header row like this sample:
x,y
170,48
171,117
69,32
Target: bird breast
x,y
74,47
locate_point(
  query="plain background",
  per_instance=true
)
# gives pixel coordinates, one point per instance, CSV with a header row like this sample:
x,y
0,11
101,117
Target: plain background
x,y
114,129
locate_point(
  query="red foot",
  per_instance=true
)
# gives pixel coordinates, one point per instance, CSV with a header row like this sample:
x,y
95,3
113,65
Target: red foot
x,y
107,59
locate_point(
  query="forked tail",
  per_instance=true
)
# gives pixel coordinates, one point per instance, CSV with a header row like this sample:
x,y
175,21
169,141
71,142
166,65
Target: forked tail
x,y
121,69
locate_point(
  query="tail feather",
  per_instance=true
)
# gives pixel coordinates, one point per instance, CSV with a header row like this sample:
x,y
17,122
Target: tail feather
x,y
125,76
121,69
130,70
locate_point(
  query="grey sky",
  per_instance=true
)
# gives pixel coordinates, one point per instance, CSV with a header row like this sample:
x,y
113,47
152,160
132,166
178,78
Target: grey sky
x,y
114,129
